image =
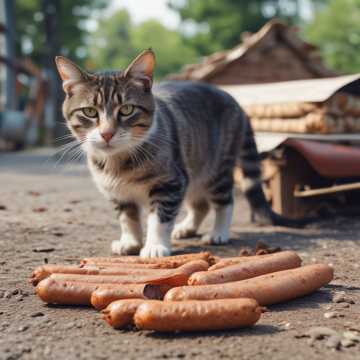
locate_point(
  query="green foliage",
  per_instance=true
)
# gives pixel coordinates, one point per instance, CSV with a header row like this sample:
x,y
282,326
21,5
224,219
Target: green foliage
x,y
336,30
110,45
117,41
220,23
30,28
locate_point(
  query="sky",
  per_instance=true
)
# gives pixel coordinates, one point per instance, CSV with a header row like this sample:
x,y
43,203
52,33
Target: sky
x,y
141,10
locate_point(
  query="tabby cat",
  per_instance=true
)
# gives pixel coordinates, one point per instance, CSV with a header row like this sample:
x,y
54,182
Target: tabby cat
x,y
151,148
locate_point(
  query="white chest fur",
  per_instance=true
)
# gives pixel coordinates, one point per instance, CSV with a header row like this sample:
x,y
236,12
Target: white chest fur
x,y
114,186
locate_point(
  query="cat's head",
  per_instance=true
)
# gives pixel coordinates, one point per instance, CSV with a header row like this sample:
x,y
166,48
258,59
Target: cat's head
x,y
109,112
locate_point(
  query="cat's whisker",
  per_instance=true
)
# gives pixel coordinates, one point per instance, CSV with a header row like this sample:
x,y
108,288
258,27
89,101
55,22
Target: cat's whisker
x,y
66,150
65,136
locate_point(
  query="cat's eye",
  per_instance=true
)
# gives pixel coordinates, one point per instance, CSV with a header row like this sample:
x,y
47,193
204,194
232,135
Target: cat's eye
x,y
127,110
90,112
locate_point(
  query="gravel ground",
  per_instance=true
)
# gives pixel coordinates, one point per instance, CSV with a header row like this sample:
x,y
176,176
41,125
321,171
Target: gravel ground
x,y
53,213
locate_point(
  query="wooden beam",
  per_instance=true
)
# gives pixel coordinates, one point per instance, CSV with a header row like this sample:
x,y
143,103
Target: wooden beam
x,y
326,190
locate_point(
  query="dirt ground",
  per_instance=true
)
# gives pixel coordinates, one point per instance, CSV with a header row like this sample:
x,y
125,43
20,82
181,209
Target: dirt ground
x,y
54,213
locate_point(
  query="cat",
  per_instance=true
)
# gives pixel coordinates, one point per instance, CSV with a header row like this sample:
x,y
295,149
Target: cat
x,y
151,147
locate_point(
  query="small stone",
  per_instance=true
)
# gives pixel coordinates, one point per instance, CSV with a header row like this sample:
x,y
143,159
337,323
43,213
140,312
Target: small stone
x,y
285,325
23,328
40,209
311,341
341,297
15,292
343,305
43,250
37,314
333,342
351,335
24,350
70,325
352,327
3,207
332,314
75,201
347,343
7,295
47,351
320,332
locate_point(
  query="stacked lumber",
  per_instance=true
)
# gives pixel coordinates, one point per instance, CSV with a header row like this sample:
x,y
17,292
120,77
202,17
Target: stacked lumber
x,y
191,292
338,114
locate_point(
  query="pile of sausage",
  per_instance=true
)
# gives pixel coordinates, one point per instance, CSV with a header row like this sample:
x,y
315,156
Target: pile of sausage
x,y
191,292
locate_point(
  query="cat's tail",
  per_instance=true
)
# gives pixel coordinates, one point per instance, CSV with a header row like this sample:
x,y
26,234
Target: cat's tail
x,y
252,183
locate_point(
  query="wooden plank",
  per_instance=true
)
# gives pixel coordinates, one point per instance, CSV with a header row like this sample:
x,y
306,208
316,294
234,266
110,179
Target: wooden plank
x,y
292,171
327,190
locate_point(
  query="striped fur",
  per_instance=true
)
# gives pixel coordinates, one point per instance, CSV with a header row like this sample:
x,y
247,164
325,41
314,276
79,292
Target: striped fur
x,y
180,145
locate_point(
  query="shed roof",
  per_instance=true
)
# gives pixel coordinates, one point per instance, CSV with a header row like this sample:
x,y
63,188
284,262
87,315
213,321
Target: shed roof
x,y
307,53
309,90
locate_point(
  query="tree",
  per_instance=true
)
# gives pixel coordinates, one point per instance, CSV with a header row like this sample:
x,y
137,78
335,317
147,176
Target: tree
x,y
30,28
336,30
219,24
111,46
171,51
117,41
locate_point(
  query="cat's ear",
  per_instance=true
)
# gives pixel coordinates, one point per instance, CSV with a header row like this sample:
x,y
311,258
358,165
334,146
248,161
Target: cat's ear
x,y
142,68
69,72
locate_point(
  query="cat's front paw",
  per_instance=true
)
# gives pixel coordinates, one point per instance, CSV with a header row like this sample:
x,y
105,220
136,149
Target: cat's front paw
x,y
215,238
183,231
155,250
125,246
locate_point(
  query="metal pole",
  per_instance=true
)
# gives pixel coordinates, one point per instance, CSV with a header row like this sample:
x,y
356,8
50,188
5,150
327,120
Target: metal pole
x,y
11,101
51,10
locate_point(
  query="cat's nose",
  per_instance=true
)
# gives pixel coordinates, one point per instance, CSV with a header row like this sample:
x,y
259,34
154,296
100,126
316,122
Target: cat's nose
x,y
107,136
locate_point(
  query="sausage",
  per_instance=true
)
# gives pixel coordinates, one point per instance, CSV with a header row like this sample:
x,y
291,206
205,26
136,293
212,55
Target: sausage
x,y
171,261
120,313
103,296
106,265
224,262
61,292
266,289
44,271
193,315
54,291
255,266
174,277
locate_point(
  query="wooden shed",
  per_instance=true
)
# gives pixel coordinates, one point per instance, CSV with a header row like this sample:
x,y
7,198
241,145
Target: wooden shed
x,y
308,132
275,53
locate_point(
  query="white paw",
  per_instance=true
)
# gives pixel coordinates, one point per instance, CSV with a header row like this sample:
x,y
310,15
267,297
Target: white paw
x,y
155,250
183,231
216,238
127,245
